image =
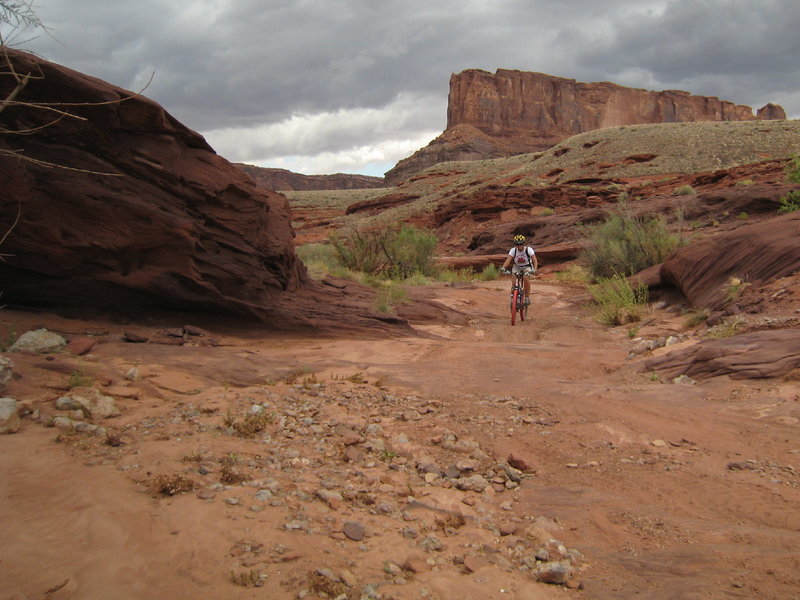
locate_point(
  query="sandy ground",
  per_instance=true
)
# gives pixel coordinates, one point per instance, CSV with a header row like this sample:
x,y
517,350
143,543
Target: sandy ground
x,y
650,489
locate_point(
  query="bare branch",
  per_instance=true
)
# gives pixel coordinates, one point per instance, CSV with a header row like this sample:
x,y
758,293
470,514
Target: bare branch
x,y
43,163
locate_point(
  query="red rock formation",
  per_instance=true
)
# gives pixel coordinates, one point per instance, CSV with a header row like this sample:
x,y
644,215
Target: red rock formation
x,y
515,112
754,355
757,254
282,180
175,227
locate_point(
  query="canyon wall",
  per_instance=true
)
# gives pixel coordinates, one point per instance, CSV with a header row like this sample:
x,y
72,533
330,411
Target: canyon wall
x,y
283,180
516,112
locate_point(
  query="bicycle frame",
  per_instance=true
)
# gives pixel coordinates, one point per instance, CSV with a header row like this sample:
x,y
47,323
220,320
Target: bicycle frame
x,y
517,302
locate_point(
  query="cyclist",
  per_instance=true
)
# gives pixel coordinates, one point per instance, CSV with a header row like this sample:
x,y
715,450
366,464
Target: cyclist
x,y
525,261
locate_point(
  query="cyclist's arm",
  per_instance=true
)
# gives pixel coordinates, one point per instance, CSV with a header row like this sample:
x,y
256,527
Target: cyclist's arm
x,y
507,261
535,260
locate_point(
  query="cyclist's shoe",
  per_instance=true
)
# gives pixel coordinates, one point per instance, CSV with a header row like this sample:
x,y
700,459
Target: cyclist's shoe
x,y
527,301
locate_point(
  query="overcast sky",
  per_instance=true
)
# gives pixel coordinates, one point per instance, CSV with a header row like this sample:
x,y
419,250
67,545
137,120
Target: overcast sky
x,y
353,86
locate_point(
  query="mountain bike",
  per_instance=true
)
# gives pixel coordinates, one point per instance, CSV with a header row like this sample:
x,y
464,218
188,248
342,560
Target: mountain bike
x,y
517,299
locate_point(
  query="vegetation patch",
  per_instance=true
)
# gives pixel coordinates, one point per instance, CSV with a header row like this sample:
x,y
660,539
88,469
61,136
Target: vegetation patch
x,y
624,245
170,485
617,301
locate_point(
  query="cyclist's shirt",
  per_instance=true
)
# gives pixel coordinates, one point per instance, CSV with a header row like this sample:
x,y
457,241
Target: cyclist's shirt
x,y
522,259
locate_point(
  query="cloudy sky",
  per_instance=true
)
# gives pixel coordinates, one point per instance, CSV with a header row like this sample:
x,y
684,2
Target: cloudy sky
x,y
326,86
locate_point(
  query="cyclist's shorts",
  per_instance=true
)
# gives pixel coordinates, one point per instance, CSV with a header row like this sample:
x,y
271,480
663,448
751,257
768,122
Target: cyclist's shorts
x,y
526,270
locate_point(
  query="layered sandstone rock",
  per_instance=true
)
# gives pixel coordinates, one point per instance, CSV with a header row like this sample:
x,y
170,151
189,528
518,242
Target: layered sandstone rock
x,y
516,112
140,214
282,180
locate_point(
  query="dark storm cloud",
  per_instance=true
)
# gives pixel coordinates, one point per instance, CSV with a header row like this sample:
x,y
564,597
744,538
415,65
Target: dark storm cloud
x,y
306,78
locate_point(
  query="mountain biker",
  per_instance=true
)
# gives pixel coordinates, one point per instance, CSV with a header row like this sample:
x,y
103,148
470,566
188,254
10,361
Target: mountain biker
x,y
525,262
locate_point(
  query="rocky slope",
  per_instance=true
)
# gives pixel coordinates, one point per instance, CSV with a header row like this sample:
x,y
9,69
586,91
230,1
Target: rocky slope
x,y
283,180
516,112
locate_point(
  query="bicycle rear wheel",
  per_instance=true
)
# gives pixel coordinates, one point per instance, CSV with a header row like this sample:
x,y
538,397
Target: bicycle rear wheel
x,y
514,303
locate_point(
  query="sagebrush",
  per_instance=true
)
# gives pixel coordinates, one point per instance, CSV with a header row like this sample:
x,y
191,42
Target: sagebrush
x,y
624,244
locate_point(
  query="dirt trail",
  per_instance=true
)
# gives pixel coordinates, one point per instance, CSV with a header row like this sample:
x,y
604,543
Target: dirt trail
x,y
667,490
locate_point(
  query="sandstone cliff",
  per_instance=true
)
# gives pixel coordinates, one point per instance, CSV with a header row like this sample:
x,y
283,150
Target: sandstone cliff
x,y
283,180
516,112
172,225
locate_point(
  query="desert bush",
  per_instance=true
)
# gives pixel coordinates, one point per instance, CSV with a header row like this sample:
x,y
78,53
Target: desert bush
x,y
727,328
683,190
624,245
734,288
455,275
387,251
490,273
618,301
410,251
790,203
389,294
573,274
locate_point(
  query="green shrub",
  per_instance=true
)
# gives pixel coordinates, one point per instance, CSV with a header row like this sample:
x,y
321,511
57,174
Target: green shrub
x,y
387,251
573,274
618,302
683,190
624,245
742,182
455,275
790,203
490,273
547,212
362,250
389,294
727,328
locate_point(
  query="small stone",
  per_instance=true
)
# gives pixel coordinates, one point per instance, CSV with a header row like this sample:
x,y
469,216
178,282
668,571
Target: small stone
x,y
132,374
507,528
331,498
81,345
474,562
232,501
348,578
431,543
10,421
416,564
353,530
683,380
475,483
6,371
553,572
659,443
519,463
206,495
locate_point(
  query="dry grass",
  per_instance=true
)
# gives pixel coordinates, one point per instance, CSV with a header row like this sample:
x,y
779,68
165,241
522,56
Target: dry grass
x,y
170,485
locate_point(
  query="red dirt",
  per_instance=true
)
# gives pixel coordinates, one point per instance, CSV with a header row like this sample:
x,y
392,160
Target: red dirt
x,y
666,490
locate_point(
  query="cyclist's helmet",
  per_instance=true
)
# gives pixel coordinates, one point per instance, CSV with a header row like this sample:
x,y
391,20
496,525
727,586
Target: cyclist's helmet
x,y
519,239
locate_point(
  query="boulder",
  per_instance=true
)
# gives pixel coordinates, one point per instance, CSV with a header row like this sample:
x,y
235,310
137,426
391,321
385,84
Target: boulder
x,y
39,341
121,209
